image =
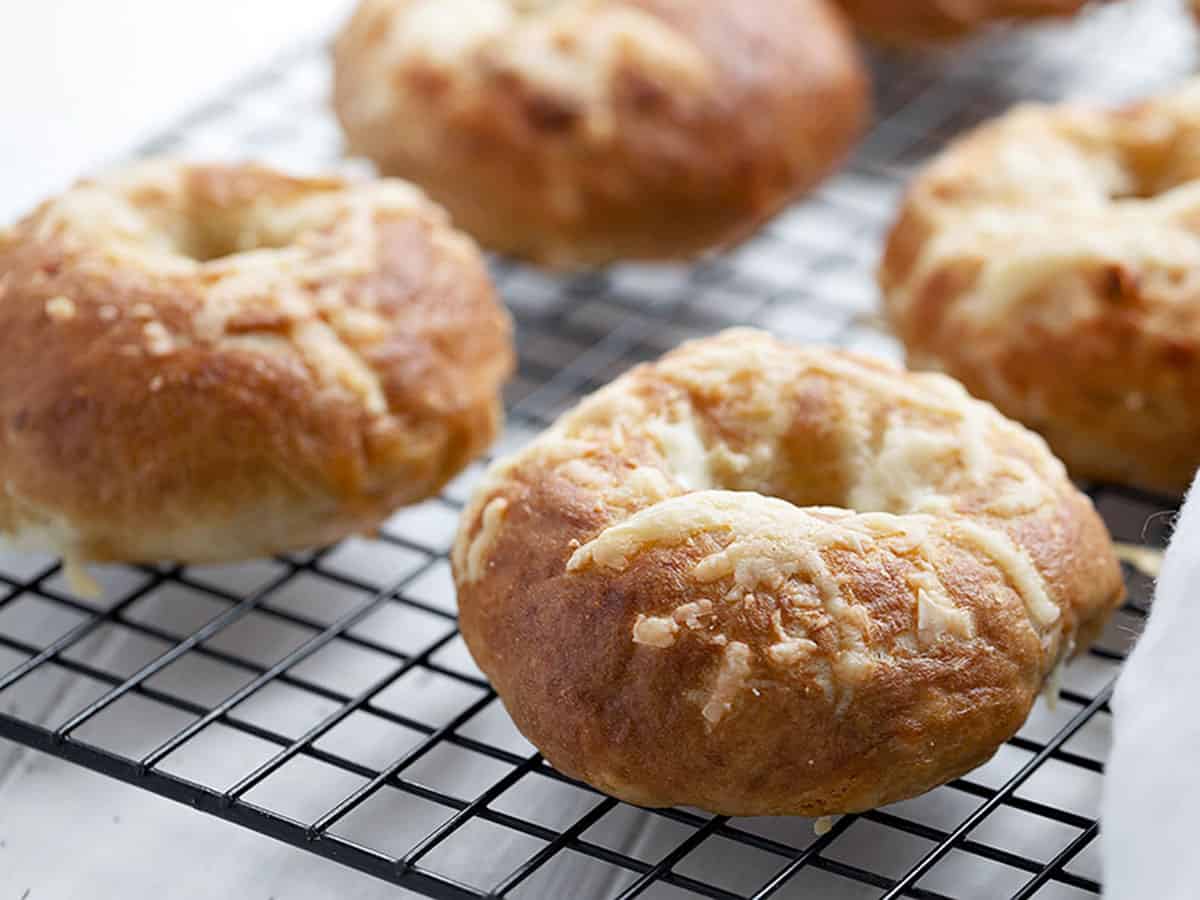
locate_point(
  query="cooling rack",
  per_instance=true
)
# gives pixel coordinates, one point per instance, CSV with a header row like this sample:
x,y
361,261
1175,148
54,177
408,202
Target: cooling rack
x,y
326,700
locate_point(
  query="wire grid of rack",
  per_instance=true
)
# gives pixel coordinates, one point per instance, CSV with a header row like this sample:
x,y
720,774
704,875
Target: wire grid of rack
x,y
325,699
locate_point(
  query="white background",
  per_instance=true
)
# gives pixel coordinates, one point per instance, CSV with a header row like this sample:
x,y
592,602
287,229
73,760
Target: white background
x,y
82,81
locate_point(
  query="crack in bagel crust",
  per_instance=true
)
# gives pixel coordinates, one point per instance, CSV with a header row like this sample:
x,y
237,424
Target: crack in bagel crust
x,y
220,362
824,582
1051,261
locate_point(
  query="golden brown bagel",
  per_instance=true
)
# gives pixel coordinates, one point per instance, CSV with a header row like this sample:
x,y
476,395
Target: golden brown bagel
x,y
216,362
915,22
765,579
577,132
1050,261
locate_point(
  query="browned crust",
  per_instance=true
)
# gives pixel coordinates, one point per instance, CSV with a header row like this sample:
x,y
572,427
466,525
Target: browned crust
x,y
556,644
225,448
675,174
933,21
1114,401
1113,389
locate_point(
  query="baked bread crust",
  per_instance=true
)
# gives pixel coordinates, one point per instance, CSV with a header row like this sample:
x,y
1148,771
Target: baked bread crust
x,y
1050,260
205,363
659,625
933,21
579,132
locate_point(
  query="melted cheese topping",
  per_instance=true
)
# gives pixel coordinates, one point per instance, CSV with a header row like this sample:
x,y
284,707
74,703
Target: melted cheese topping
x,y
774,542
481,545
1016,567
655,631
763,525
1044,195
568,50
661,631
731,679
336,363
79,579
686,455
937,615
60,308
922,460
1146,560
448,31
1022,253
273,252
789,650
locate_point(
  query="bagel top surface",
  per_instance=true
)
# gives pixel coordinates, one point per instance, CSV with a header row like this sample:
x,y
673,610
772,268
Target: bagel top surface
x,y
919,22
766,579
213,362
582,131
1051,261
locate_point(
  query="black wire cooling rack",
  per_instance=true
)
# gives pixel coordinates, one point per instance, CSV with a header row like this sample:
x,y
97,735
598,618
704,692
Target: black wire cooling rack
x,y
326,699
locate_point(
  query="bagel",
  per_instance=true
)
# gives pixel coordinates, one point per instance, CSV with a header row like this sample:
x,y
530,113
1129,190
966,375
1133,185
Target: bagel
x,y
577,132
763,579
206,363
1050,261
932,21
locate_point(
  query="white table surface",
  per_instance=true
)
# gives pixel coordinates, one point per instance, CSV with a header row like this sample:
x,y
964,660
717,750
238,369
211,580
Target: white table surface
x,y
83,81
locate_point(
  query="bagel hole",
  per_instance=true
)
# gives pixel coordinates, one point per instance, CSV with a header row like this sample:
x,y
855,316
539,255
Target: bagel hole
x,y
809,468
533,7
217,219
1153,170
209,240
1138,188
